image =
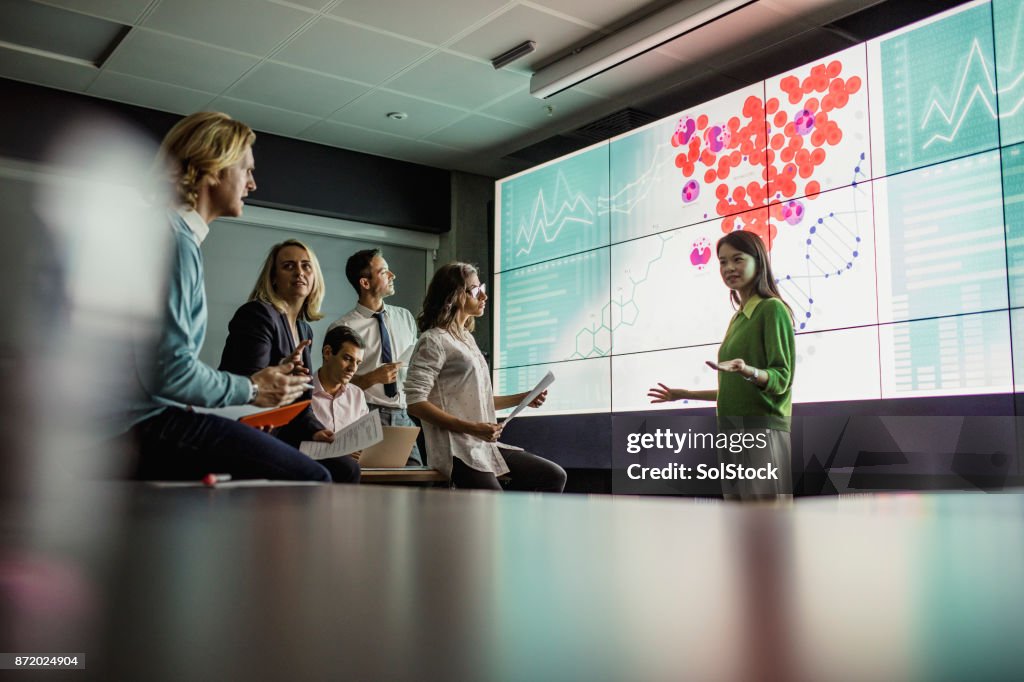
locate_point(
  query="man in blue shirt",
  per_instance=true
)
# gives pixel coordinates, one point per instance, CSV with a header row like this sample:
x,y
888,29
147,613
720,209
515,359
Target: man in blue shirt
x,y
210,166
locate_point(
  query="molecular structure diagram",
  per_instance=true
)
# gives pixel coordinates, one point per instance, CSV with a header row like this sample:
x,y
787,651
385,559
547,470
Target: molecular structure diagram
x,y
596,340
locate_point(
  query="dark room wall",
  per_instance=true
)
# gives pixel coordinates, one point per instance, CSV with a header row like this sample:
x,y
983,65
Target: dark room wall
x,y
292,175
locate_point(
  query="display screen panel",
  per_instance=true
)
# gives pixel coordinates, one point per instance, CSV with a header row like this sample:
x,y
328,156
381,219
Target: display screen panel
x,y
887,182
557,209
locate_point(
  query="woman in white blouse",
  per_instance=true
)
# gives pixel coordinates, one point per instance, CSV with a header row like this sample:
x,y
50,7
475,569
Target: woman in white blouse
x,y
449,389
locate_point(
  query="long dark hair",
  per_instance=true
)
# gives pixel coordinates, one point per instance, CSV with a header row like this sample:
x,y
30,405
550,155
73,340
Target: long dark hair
x,y
764,281
444,297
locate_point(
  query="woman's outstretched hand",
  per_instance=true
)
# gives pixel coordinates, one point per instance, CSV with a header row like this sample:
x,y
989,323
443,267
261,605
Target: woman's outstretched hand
x,y
737,365
663,394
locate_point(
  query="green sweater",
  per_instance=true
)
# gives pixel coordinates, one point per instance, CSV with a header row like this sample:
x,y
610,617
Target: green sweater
x,y
762,335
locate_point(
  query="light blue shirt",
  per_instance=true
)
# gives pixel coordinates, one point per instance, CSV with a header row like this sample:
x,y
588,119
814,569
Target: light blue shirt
x,y
174,375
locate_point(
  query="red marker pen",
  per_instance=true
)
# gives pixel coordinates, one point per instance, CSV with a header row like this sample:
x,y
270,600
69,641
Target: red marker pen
x,y
213,479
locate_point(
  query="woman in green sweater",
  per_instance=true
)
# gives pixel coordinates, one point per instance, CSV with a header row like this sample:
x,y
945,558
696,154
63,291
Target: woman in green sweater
x,y
755,372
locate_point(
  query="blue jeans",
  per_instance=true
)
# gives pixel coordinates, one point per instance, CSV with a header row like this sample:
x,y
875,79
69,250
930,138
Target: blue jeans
x,y
392,416
179,444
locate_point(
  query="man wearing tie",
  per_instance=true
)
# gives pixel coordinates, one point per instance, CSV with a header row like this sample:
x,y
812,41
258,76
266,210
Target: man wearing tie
x,y
389,333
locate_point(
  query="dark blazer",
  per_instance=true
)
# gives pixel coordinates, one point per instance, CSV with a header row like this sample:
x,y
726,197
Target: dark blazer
x,y
258,337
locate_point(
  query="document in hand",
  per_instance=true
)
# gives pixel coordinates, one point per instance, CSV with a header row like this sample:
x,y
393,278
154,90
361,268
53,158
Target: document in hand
x,y
362,433
256,416
541,386
277,417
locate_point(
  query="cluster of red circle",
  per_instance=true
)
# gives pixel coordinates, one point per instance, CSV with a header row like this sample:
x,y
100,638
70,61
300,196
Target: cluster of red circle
x,y
789,156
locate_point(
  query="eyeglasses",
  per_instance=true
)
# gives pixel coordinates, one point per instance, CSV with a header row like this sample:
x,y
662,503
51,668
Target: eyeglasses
x,y
477,290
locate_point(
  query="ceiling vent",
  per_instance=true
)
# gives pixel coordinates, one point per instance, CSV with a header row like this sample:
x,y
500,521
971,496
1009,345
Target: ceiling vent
x,y
613,124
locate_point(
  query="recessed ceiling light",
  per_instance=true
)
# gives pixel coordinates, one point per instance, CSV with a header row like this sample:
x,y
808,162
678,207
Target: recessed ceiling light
x,y
397,115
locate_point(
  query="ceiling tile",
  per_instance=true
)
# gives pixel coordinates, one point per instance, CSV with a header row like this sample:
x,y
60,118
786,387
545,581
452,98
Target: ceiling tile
x,y
351,137
21,66
341,49
553,36
286,87
457,81
178,61
147,93
370,112
477,132
525,109
123,11
602,14
418,19
264,119
253,26
57,31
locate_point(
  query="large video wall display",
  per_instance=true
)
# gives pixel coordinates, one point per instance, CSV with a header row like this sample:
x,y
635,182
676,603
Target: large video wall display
x,y
887,182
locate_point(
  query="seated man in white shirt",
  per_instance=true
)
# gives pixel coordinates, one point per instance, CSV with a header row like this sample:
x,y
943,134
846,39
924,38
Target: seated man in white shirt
x,y
336,401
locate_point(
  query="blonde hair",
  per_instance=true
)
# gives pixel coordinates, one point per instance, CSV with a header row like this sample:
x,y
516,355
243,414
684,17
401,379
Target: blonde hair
x,y
264,291
199,146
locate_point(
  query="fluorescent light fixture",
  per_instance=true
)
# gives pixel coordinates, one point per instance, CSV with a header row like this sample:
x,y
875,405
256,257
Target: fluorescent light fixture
x,y
520,50
632,41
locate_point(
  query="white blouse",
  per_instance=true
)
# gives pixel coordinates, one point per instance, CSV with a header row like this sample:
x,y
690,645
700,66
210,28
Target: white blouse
x,y
451,373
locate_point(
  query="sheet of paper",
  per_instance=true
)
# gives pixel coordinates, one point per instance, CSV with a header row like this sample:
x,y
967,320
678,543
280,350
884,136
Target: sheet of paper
x,y
362,433
541,386
230,412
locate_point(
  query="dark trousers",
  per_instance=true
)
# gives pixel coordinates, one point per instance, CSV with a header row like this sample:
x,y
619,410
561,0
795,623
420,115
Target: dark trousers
x,y
527,471
343,469
179,444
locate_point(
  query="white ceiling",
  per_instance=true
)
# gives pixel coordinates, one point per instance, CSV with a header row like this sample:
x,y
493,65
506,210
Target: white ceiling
x,y
328,71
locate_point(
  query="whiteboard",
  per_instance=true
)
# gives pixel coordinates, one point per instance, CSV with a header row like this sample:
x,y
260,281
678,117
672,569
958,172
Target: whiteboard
x,y
234,251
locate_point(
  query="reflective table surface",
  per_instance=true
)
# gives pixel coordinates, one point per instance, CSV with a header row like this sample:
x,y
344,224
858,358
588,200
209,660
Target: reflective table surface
x,y
389,583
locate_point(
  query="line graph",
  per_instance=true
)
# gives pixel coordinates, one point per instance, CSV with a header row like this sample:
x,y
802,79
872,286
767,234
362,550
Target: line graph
x,y
983,90
569,207
626,198
939,85
554,210
1008,19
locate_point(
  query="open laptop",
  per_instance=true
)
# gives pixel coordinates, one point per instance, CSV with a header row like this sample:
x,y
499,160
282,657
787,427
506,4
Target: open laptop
x,y
393,451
